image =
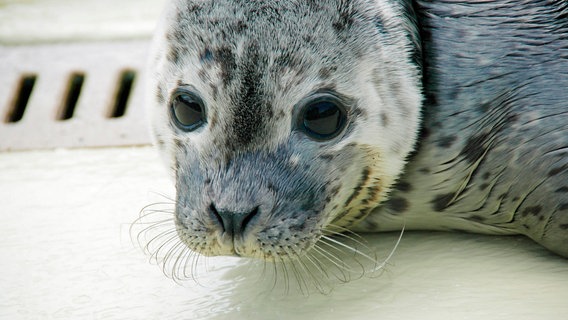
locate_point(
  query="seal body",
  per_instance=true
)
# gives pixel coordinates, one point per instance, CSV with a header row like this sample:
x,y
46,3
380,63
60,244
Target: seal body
x,y
284,121
493,152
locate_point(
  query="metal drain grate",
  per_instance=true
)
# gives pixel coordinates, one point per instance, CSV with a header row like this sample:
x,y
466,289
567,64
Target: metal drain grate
x,y
72,95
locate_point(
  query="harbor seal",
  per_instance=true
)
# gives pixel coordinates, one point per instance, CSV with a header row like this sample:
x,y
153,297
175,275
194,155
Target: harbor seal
x,y
285,122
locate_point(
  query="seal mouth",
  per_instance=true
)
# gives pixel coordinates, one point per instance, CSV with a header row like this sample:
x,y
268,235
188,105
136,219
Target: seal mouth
x,y
322,261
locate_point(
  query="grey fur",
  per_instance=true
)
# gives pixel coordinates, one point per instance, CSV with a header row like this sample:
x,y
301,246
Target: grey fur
x,y
492,153
495,136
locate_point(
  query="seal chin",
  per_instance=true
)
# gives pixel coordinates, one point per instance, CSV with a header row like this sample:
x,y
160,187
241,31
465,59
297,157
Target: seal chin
x,y
273,242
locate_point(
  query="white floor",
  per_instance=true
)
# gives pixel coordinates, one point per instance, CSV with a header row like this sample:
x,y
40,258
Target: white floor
x,y
66,253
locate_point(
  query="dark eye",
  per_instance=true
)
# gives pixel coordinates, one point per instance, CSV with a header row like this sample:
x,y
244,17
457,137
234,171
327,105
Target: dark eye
x,y
187,110
323,119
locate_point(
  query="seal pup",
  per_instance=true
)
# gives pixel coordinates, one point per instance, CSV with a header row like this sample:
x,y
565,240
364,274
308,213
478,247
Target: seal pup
x,y
284,122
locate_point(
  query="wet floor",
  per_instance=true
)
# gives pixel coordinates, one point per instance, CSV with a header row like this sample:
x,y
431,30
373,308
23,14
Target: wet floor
x,y
67,253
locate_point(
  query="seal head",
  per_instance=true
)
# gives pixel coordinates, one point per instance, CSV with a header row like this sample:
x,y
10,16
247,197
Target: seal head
x,y
282,120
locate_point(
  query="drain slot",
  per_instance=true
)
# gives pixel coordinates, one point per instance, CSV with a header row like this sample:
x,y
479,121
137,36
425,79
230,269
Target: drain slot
x,y
73,92
24,92
125,85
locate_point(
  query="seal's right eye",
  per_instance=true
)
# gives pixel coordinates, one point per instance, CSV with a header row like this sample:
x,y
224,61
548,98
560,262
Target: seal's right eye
x,y
187,110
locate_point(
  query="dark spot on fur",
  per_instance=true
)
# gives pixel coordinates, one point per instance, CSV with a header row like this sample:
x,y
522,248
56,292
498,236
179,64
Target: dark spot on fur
x,y
477,218
287,60
556,171
361,214
202,74
272,188
397,204
353,195
214,91
533,210
179,144
424,133
173,54
371,225
251,107
357,190
324,73
226,59
192,8
526,226
212,120
403,186
424,170
486,175
562,189
373,194
335,190
206,56
327,157
563,207
446,142
160,96
240,26
564,226
384,119
484,107
161,143
357,112
345,19
475,147
442,201
379,24
483,186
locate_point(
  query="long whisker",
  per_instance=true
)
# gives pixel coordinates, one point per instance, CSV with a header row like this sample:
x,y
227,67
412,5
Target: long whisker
x,y
354,250
341,267
315,279
387,259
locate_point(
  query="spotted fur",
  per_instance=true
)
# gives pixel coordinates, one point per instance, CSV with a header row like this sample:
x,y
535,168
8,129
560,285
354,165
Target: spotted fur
x,y
496,117
480,85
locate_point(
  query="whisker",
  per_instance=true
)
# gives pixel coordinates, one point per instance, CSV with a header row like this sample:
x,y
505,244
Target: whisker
x,y
342,268
349,235
315,280
286,276
300,280
387,259
142,235
160,241
355,253
354,250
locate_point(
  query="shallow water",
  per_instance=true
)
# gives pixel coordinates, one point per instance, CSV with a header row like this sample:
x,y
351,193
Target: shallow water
x,y
67,254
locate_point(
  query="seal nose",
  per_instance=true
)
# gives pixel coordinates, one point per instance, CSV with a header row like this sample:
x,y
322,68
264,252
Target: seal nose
x,y
233,223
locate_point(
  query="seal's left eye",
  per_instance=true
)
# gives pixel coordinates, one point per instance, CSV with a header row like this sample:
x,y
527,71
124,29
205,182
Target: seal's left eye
x,y
188,111
323,119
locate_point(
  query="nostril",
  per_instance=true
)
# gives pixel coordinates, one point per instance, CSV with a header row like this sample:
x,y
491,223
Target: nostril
x,y
213,211
231,222
247,218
